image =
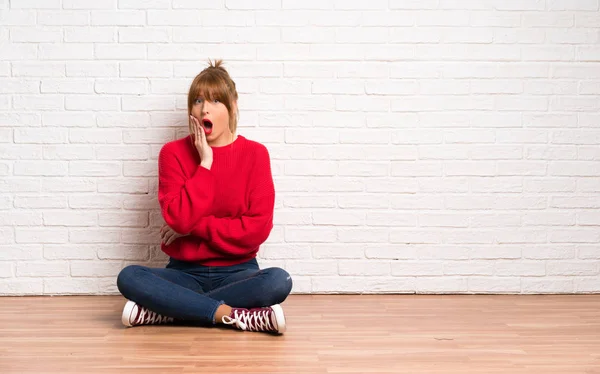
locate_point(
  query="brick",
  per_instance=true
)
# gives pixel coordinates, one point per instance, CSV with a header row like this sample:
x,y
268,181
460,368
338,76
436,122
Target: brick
x,y
310,234
548,19
42,269
21,218
94,235
239,4
146,4
574,235
37,69
494,285
363,268
438,285
83,268
469,268
82,4
363,235
94,169
122,51
122,119
68,184
70,218
40,168
41,201
64,119
118,152
333,251
63,17
20,152
407,236
15,252
579,5
68,152
17,287
326,217
41,235
91,102
307,4
548,253
92,69
360,5
290,251
122,252
314,267
95,136
135,103
6,270
390,251
96,201
35,4
123,185
554,285
572,268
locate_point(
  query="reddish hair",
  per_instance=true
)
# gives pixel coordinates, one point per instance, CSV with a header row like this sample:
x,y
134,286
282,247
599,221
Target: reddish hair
x,y
213,83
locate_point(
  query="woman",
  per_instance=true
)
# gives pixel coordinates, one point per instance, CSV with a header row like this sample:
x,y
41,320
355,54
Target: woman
x,y
217,197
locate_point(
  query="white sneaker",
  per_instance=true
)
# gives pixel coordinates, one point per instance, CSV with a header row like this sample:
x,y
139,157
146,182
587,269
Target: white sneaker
x,y
134,315
269,319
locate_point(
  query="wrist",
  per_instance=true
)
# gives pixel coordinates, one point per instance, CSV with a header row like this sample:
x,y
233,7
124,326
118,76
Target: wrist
x,y
206,165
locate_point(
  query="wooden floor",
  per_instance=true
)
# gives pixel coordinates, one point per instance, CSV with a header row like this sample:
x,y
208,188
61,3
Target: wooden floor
x,y
326,334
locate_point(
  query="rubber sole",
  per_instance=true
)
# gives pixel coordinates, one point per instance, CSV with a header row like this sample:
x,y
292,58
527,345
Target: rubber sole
x,y
279,318
127,310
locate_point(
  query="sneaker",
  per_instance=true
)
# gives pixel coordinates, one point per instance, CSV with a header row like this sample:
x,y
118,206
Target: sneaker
x,y
134,315
269,319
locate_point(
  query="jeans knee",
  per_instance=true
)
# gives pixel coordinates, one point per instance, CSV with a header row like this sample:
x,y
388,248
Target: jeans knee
x,y
126,277
282,284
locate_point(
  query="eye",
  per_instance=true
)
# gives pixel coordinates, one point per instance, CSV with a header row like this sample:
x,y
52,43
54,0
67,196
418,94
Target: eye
x,y
216,101
198,101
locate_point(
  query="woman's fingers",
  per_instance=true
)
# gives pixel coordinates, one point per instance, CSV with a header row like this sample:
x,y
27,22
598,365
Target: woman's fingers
x,y
199,131
193,126
172,238
168,235
164,230
202,134
167,238
196,129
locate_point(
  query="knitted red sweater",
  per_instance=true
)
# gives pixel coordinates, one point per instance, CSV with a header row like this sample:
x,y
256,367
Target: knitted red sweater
x,y
227,210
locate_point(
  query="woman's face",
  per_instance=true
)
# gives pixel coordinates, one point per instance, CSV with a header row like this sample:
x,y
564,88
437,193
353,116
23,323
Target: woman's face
x,y
214,118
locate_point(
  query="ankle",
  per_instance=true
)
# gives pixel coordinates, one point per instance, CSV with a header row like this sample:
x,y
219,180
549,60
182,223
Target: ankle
x,y
222,310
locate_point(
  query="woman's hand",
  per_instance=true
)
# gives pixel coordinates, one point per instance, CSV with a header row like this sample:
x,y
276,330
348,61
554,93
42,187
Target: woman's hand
x,y
168,235
204,150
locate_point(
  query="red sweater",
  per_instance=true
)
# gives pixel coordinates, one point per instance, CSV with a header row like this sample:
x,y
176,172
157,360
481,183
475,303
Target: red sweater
x,y
227,210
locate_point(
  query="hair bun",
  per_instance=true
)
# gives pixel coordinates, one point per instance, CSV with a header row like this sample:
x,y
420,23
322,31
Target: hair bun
x,y
216,64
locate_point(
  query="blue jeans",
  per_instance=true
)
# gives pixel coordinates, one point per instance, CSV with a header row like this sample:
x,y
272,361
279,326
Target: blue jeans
x,y
190,292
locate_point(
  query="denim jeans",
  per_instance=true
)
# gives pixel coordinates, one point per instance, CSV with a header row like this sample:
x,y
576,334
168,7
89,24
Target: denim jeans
x,y
190,292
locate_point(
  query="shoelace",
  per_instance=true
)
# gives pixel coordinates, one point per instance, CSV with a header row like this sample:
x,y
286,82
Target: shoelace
x,y
149,317
250,321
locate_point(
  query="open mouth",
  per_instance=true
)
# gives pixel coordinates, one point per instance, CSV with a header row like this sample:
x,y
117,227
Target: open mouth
x,y
208,126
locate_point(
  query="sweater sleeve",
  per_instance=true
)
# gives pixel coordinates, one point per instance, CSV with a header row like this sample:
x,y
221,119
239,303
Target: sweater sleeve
x,y
183,201
243,235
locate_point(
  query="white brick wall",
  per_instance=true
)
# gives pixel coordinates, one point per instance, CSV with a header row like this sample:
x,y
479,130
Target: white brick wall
x,y
425,146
